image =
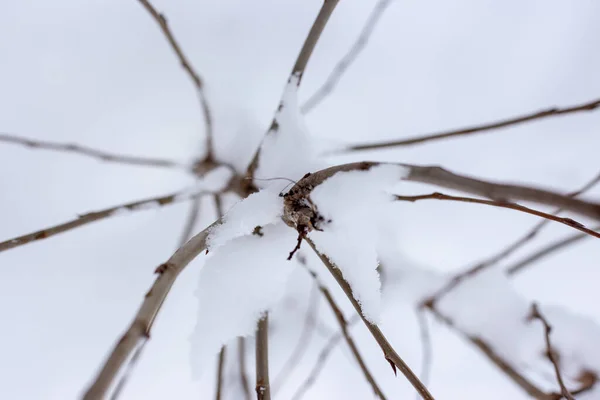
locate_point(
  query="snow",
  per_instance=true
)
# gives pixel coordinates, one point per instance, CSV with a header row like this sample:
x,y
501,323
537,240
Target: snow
x,y
288,150
356,202
244,278
258,209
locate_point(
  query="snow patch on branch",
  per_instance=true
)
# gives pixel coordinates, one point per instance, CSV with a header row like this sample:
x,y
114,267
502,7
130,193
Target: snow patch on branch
x,y
355,202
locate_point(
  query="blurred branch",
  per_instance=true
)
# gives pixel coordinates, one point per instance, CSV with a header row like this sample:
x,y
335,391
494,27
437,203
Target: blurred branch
x,y
89,152
535,314
220,368
143,321
339,316
161,20
242,367
547,250
342,65
333,341
426,350
498,361
84,219
388,351
263,389
298,70
303,342
565,221
551,112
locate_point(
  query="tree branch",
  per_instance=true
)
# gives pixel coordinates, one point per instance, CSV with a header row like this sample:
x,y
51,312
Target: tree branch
x,y
141,325
84,219
263,389
388,351
333,341
161,20
90,152
245,383
352,54
339,316
426,350
220,369
535,314
551,112
298,70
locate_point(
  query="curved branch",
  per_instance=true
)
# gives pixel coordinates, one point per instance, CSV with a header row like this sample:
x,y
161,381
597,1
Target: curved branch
x,y
140,327
161,20
551,112
90,152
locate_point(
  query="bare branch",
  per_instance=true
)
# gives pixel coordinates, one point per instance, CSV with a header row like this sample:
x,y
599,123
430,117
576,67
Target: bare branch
x,y
547,250
339,316
220,368
565,221
84,219
161,20
303,342
141,325
498,361
245,383
263,389
535,314
298,70
90,152
388,351
342,65
551,112
426,350
333,341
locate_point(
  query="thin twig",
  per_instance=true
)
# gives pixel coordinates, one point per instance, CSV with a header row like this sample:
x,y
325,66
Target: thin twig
x,y
339,316
535,314
565,221
551,112
426,350
298,70
547,250
220,369
90,152
331,344
388,351
303,342
87,218
161,20
144,319
352,54
263,388
242,368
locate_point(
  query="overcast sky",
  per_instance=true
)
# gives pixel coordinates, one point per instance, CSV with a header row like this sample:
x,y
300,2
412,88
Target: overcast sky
x,y
99,73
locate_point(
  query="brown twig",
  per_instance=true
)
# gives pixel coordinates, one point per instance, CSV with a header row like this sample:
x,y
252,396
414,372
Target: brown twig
x,y
333,341
535,314
339,316
97,215
551,112
242,367
426,350
388,351
88,151
263,388
565,221
352,54
220,369
161,20
144,319
547,250
298,70
494,358
303,342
